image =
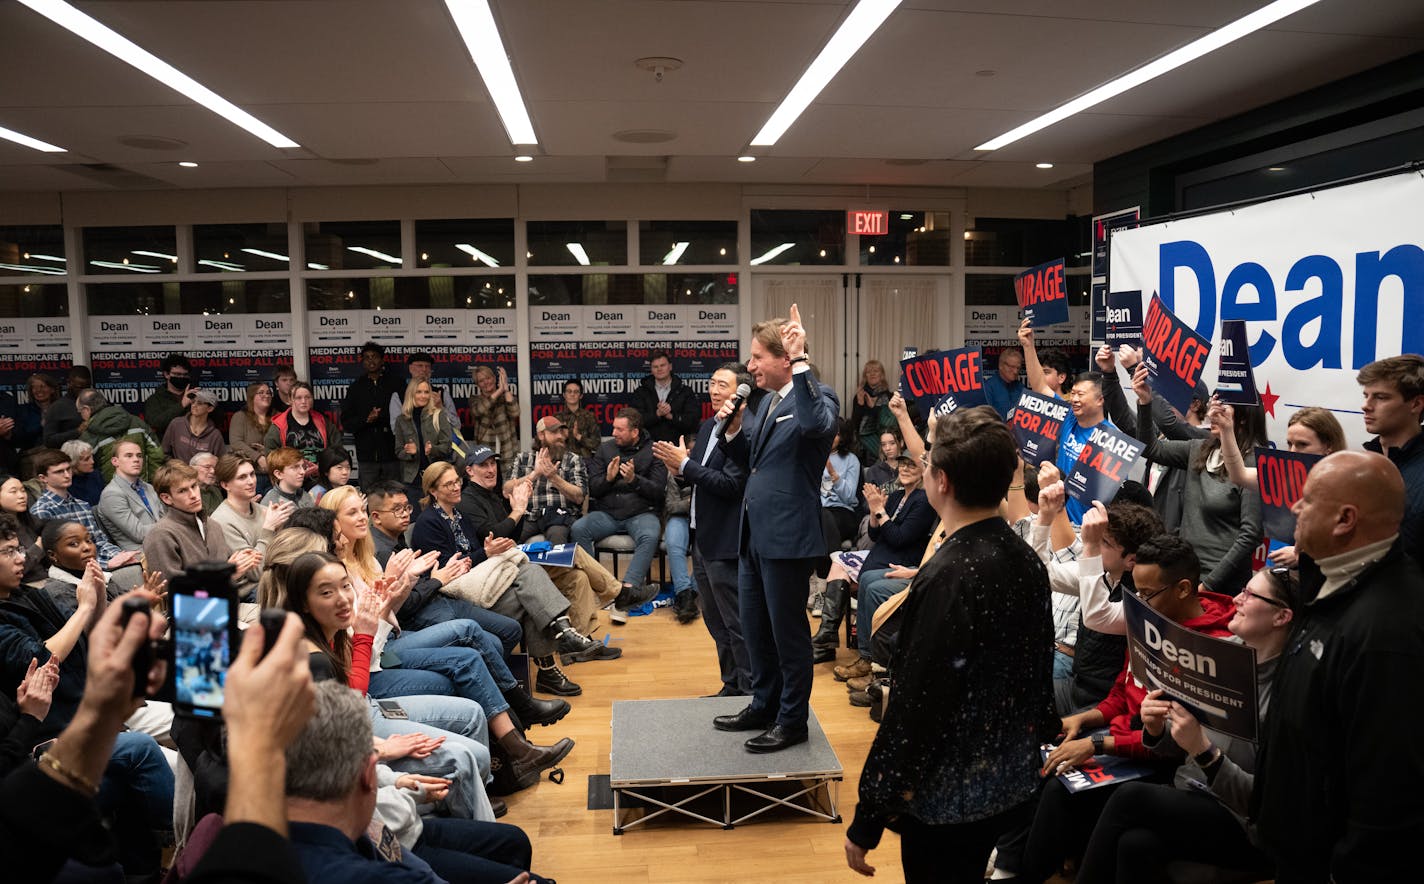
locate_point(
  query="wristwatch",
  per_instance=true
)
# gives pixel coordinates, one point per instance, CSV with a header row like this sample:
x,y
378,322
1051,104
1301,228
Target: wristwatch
x,y
1097,744
1205,759
802,358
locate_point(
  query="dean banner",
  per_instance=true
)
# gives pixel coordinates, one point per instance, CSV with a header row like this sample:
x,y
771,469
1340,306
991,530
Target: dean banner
x,y
1213,677
608,350
994,329
29,345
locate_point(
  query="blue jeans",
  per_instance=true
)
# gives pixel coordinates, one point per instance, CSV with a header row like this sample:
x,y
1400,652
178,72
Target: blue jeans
x,y
448,649
443,608
137,793
464,757
676,536
875,589
462,633
644,528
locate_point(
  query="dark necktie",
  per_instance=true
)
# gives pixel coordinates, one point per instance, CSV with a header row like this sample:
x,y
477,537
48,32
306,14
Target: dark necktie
x,y
138,489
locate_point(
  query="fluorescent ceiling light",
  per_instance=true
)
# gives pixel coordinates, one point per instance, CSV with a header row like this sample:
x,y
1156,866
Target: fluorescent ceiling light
x,y
774,252
379,256
221,265
863,21
136,268
476,24
165,257
1043,165
47,258
26,268
188,164
675,253
576,249
71,19
312,265
27,141
264,254
477,254
1263,17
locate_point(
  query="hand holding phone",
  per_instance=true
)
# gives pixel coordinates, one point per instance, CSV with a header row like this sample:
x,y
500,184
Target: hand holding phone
x,y
205,632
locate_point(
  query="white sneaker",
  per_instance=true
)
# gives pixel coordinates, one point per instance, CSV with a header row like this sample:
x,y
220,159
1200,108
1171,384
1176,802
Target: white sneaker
x,y
615,614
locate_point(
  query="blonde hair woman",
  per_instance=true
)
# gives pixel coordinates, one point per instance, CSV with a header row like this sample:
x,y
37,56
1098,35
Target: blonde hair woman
x,y
424,431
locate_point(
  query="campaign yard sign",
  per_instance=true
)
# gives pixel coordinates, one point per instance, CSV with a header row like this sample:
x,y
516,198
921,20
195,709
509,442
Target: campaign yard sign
x,y
1213,677
1037,426
1123,315
1235,379
942,381
1103,465
1175,354
1043,294
1280,475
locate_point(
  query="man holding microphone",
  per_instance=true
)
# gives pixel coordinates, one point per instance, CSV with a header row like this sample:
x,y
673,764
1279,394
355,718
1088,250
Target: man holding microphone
x,y
782,446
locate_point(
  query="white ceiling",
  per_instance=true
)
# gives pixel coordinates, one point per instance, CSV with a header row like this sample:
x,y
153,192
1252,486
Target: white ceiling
x,y
389,81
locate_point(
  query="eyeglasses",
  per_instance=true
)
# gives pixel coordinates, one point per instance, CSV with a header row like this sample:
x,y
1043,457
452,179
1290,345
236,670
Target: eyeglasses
x,y
1265,598
1151,595
13,552
447,486
398,510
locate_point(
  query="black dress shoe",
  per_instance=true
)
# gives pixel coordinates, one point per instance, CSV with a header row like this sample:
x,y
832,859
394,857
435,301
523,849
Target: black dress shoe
x,y
776,738
746,720
821,654
727,691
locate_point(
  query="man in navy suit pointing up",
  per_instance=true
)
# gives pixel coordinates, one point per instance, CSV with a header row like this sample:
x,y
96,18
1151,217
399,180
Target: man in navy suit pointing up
x,y
782,446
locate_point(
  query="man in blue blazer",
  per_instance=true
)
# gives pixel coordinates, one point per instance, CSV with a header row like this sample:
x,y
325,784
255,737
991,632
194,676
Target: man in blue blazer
x,y
783,446
717,487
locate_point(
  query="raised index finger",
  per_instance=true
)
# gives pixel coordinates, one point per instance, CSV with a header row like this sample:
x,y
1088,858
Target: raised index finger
x,y
795,314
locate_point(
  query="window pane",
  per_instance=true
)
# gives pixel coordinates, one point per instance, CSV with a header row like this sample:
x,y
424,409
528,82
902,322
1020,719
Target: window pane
x,y
230,248
137,250
465,243
19,301
576,243
188,298
797,237
916,239
352,245
32,250
634,288
1022,242
687,242
415,293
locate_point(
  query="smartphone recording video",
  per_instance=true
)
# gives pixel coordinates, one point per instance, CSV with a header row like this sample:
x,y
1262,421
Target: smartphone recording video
x,y
205,633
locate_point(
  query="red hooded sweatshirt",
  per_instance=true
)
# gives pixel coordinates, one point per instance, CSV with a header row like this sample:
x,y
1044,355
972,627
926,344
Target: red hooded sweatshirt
x,y
1123,707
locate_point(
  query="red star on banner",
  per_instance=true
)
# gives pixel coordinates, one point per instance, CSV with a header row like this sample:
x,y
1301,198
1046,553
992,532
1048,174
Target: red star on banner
x,y
1268,400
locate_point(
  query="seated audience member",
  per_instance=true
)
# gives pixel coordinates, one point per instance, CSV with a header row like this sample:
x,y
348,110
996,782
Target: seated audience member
x,y
900,528
184,537
1336,726
174,398
343,622
129,507
870,412
248,427
883,472
197,432
584,433
586,584
206,463
61,420
1221,520
626,487
670,408
53,470
298,427
955,758
677,540
69,550
558,483
1003,388
424,431
840,491
332,784
88,482
388,505
1146,827
288,470
333,469
1166,577
1394,405
245,523
531,598
494,411
15,501
106,423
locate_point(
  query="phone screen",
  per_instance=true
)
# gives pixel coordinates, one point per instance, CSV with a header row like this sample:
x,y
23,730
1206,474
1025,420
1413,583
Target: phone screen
x,y
202,650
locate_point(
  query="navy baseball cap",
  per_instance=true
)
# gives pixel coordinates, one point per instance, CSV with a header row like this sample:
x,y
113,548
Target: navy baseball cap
x,y
479,454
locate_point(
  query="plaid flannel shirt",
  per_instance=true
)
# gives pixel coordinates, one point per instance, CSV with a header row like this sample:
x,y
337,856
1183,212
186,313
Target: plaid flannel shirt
x,y
545,494
72,509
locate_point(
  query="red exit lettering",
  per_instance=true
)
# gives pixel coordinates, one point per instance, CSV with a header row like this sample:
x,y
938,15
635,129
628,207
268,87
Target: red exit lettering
x,y
863,222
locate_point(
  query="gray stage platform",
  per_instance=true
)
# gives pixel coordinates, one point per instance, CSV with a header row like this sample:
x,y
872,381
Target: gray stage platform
x,y
666,753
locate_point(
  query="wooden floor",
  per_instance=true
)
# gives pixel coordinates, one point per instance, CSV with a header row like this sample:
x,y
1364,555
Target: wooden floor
x,y
664,659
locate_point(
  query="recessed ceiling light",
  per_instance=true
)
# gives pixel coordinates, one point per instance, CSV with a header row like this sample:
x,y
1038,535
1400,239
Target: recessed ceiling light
x,y
1248,24
27,141
746,159
188,165
986,72
475,22
864,20
1275,168
524,158
114,43
1043,165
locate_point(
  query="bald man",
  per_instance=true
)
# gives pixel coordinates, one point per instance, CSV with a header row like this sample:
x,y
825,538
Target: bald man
x,y
1341,768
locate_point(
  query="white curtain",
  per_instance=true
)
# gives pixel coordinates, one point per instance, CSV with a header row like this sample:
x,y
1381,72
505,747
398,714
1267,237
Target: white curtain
x,y
896,313
820,300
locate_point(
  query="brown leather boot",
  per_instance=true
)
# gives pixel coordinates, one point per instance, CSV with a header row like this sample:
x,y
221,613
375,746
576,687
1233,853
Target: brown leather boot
x,y
527,760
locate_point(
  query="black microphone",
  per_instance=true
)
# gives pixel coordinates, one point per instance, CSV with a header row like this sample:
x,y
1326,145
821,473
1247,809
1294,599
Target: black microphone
x,y
738,399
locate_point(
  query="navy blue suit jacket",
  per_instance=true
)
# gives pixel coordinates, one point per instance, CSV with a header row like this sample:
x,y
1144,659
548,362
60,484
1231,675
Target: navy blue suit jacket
x,y
784,465
720,484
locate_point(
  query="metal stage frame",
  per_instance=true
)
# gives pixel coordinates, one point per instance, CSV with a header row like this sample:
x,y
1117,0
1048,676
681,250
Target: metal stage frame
x,y
667,754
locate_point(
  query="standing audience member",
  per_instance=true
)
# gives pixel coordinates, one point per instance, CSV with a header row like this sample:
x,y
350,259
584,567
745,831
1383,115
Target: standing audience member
x,y
424,431
584,434
558,483
288,470
283,382
1003,388
1394,405
970,698
129,507
1337,737
245,523
494,412
670,408
199,432
420,366
43,391
53,470
184,537
62,421
299,427
249,427
172,400
333,470
206,463
870,413
363,415
88,478
105,424
15,501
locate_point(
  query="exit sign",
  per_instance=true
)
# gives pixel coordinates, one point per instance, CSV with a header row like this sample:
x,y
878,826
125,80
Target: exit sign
x,y
866,222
